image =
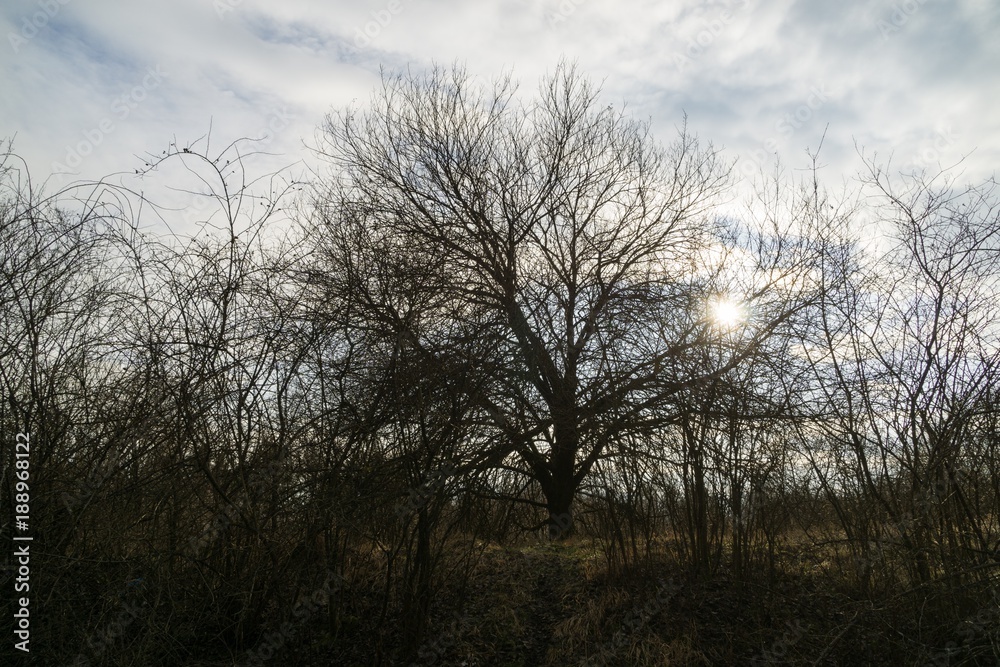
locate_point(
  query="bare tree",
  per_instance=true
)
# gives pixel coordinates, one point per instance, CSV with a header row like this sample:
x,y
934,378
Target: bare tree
x,y
556,232
907,361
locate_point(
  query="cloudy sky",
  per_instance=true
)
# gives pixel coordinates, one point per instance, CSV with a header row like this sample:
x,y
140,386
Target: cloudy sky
x,y
90,87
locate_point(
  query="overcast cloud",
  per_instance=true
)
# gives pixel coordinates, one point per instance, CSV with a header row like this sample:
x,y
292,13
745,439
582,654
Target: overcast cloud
x,y
91,86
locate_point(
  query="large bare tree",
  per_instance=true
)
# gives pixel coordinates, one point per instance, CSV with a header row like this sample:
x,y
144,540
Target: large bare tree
x,y
549,243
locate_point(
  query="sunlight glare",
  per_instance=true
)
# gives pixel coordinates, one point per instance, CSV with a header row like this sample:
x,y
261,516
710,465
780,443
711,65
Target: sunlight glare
x,y
727,313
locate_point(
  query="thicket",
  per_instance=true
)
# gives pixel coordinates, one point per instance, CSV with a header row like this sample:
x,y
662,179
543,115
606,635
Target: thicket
x,y
511,383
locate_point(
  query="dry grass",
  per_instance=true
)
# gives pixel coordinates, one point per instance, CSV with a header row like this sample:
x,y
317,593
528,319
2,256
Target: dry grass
x,y
548,605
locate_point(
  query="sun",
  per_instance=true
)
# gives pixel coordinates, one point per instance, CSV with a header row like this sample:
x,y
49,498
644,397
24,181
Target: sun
x,y
727,313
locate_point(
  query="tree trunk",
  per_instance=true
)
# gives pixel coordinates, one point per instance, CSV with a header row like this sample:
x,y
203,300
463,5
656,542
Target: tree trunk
x,y
559,503
560,488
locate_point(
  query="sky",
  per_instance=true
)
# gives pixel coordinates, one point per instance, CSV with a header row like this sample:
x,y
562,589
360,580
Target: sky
x,y
96,87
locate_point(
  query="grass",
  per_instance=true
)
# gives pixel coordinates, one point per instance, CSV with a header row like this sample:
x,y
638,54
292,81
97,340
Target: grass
x,y
559,604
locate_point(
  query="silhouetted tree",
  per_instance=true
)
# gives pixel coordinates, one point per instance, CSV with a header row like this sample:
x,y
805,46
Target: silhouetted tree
x,y
554,232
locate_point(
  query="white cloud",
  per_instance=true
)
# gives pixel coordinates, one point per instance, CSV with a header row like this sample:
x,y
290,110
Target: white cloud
x,y
922,88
